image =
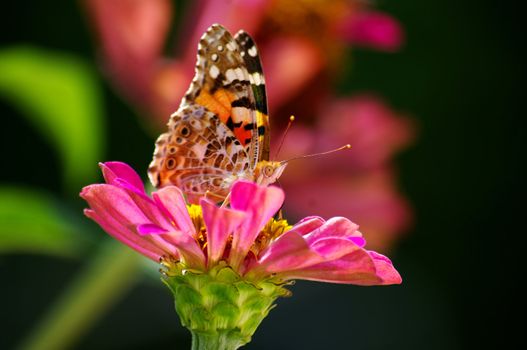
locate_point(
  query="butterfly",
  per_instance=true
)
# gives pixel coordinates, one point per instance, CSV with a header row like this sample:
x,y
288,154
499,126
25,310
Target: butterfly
x,y
220,132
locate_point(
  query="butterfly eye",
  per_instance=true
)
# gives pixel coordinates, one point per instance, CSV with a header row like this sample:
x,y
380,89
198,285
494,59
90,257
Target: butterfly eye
x,y
268,171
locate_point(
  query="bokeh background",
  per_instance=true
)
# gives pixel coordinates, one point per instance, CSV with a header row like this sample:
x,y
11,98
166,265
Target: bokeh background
x,y
441,106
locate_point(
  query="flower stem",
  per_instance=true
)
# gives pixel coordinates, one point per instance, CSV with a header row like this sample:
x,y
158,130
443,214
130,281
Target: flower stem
x,y
107,277
217,341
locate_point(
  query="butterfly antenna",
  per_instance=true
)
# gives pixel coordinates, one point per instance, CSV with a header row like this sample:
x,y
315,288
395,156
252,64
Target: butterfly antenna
x,y
291,120
226,201
348,146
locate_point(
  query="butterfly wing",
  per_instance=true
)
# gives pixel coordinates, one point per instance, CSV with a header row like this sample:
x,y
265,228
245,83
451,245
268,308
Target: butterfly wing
x,y
251,57
198,154
213,136
223,85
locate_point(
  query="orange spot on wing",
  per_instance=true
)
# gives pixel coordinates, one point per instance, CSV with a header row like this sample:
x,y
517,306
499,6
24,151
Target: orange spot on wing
x,y
212,104
220,104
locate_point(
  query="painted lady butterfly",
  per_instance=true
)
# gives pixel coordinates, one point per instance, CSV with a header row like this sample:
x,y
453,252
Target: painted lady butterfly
x,y
220,133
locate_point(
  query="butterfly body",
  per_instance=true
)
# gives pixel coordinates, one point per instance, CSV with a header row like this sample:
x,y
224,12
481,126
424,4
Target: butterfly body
x,y
220,132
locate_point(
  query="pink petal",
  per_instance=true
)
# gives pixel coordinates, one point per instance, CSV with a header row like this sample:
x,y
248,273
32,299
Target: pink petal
x,y
115,202
132,36
333,248
150,229
290,251
220,223
385,270
188,248
307,225
172,202
334,227
119,232
355,268
117,170
359,241
373,29
375,130
290,63
153,211
259,203
118,214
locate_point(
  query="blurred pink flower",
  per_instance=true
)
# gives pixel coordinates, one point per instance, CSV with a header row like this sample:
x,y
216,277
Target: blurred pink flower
x,y
245,235
359,183
132,34
373,29
375,131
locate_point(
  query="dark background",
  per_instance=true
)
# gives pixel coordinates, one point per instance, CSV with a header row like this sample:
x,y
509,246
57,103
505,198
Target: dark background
x,y
460,75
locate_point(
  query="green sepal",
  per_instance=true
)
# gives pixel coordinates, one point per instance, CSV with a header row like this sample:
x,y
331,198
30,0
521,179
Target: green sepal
x,y
220,307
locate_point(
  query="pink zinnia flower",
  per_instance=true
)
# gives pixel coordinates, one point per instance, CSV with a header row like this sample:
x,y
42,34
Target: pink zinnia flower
x,y
227,265
245,235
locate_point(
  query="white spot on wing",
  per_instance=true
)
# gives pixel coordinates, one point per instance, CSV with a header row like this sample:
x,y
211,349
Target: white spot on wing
x,y
230,74
257,79
252,51
214,71
214,57
240,74
240,114
231,46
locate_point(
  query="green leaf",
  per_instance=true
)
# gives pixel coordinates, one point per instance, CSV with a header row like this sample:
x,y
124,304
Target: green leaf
x,y
33,222
60,95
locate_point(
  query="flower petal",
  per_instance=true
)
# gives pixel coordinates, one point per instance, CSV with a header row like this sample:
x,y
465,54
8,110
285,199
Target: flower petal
x,y
373,29
307,225
297,249
334,227
259,203
220,223
131,36
289,252
188,248
385,269
113,208
290,62
172,202
150,229
139,244
355,268
118,170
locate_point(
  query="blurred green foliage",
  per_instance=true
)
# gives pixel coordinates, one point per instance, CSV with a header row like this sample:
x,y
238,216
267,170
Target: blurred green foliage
x,y
59,94
33,222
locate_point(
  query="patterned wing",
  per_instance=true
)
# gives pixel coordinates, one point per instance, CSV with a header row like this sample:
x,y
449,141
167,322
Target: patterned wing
x,y
215,135
250,55
222,84
198,154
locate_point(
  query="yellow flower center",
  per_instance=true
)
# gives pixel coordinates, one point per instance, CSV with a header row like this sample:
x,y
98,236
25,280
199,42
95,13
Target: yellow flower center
x,y
272,230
